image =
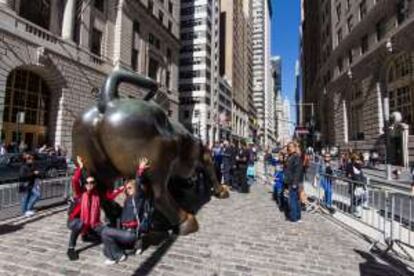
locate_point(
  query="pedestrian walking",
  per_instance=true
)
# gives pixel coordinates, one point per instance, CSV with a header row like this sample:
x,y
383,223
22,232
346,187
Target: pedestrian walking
x,y
135,218
29,186
324,176
293,177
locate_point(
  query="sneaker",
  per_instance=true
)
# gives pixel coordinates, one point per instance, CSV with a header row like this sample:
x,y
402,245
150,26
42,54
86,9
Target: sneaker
x,y
72,254
29,213
109,262
122,259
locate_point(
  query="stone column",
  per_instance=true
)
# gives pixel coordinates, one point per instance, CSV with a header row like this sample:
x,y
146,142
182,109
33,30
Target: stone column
x,y
405,149
380,108
54,25
68,20
345,120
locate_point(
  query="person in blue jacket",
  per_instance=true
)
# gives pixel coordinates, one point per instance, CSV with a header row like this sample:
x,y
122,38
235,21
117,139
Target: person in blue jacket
x,y
278,186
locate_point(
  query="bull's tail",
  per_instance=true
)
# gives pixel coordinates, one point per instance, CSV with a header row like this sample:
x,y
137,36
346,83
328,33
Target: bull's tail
x,y
109,90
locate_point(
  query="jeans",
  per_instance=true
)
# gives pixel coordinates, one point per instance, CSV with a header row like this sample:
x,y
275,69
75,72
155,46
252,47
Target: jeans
x,y
76,226
115,240
29,199
328,194
294,204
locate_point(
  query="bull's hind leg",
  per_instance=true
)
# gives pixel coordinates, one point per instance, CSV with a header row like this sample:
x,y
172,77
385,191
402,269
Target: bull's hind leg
x,y
167,205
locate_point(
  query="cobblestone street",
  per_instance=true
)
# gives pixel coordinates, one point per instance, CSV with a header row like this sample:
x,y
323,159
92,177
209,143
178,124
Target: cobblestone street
x,y
243,235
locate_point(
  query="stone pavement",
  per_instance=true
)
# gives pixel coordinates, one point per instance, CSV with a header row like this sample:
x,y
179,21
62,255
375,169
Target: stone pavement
x,y
242,235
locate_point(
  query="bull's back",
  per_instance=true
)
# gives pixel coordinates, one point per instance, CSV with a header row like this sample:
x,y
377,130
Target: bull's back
x,y
113,142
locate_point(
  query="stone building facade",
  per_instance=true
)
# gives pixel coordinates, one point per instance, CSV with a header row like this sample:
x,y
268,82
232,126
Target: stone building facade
x,y
55,54
358,66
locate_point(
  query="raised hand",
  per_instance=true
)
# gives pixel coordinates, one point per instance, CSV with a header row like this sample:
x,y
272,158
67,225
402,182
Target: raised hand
x,y
79,161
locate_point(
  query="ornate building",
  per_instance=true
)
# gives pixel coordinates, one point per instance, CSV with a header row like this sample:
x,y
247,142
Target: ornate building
x,y
55,55
357,65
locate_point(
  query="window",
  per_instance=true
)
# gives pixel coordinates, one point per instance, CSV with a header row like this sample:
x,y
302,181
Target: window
x,y
96,42
362,9
36,11
340,64
170,7
339,36
357,121
400,100
350,23
350,57
338,12
99,5
169,26
161,16
402,11
154,41
380,29
151,6
135,46
186,114
153,69
348,5
364,44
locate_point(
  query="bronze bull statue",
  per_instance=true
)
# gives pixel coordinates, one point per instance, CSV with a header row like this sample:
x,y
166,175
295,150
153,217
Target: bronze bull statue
x,y
112,136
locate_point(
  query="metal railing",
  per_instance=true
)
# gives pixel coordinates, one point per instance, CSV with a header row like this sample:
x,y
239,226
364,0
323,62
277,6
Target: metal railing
x,y
386,213
53,188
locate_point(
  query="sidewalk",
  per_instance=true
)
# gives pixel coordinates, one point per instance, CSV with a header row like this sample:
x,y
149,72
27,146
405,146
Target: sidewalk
x,y
242,235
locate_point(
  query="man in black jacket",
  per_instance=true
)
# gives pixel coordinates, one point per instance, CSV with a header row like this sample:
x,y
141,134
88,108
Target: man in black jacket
x,y
293,177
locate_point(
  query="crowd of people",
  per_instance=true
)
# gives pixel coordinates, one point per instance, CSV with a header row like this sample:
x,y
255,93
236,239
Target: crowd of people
x,y
22,147
234,164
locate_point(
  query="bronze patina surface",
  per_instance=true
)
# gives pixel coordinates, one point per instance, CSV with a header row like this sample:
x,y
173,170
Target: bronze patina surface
x,y
112,136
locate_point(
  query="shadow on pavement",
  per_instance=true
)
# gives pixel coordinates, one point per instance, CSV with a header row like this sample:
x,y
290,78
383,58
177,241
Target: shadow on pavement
x,y
149,264
371,266
19,225
9,228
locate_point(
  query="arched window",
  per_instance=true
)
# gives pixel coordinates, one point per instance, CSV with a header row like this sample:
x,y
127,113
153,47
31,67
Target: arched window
x,y
26,93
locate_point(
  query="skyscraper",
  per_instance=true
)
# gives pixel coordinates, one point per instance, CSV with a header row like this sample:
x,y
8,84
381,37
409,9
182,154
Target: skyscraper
x,y
276,74
263,95
235,60
199,71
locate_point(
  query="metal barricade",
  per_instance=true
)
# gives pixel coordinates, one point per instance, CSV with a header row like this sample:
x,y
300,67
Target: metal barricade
x,y
389,213
49,189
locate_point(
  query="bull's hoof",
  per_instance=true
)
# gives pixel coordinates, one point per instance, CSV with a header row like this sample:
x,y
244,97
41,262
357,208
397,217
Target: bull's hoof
x,y
190,225
222,192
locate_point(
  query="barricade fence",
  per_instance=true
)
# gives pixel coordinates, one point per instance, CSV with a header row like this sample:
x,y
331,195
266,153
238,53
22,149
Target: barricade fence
x,y
49,189
387,212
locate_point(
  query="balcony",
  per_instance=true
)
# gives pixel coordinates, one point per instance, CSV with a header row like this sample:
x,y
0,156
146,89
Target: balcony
x,y
39,37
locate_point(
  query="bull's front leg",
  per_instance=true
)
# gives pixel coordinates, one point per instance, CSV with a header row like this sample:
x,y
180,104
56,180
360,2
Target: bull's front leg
x,y
164,202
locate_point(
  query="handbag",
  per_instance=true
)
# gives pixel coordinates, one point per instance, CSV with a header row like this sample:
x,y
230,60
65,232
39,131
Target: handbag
x,y
251,171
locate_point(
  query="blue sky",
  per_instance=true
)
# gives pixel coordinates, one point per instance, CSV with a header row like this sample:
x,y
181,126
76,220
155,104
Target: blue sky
x,y
285,41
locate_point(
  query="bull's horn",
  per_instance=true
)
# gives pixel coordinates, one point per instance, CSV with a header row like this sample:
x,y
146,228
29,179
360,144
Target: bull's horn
x,y
109,90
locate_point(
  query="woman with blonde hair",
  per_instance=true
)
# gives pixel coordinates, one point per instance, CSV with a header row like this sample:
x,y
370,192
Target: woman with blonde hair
x,y
134,218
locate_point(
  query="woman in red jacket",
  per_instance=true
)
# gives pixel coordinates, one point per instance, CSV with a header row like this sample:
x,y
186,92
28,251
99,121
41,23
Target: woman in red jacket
x,y
85,216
